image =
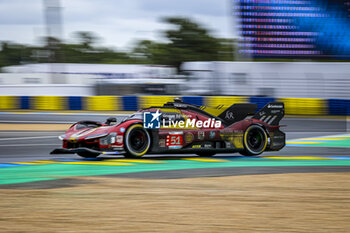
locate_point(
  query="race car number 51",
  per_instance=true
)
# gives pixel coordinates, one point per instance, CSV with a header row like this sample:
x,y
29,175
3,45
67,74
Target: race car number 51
x,y
174,140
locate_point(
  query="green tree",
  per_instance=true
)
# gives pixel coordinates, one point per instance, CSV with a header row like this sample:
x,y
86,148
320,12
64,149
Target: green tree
x,y
150,52
226,49
14,54
186,41
86,39
190,42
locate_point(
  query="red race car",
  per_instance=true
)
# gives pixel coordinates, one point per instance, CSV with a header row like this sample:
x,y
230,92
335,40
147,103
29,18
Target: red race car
x,y
179,127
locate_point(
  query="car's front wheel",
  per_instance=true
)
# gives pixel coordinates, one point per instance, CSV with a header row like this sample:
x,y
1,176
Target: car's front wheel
x,y
254,141
137,141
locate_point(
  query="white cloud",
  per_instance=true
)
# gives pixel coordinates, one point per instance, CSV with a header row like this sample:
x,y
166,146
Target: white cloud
x,y
24,12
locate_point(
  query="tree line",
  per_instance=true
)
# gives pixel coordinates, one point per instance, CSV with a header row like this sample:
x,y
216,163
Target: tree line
x,y
186,41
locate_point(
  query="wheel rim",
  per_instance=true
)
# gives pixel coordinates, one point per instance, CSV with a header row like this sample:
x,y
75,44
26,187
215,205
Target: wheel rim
x,y
256,140
138,140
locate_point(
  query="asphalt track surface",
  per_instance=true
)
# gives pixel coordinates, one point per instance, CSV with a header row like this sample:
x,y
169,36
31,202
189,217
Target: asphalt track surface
x,y
25,146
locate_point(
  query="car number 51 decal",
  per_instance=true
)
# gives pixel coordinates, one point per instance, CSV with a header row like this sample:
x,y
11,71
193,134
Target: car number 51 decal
x,y
174,141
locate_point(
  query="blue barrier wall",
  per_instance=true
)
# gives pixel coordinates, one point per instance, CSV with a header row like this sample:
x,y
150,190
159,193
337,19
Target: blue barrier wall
x,y
197,100
25,102
130,103
261,101
338,107
75,103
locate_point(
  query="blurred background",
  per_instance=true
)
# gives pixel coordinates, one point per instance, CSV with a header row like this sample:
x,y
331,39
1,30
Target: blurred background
x,y
261,50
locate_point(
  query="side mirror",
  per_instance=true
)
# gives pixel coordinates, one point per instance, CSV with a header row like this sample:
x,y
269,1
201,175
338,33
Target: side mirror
x,y
111,121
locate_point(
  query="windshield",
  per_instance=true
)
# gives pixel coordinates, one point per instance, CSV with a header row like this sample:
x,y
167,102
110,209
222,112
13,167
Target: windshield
x,y
137,115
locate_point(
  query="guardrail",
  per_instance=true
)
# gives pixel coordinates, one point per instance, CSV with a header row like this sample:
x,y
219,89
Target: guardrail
x,y
294,106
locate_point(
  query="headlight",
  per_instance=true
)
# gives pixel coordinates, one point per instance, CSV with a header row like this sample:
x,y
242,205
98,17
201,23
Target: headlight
x,y
61,137
110,139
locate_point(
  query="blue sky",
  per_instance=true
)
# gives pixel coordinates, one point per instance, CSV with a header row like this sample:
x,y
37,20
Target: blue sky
x,y
119,22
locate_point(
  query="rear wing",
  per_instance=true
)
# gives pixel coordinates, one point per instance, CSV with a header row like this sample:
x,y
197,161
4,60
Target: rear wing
x,y
237,112
271,113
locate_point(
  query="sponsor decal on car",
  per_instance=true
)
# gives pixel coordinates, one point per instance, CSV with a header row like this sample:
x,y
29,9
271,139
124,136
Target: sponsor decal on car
x,y
200,135
189,137
274,106
175,147
161,142
275,111
229,115
119,139
206,145
174,140
212,134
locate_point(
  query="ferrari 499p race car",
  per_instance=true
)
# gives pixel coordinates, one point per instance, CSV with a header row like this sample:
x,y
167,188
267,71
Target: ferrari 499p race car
x,y
178,127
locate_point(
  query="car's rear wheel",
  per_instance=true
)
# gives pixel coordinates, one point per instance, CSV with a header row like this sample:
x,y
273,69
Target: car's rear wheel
x,y
137,141
88,154
254,141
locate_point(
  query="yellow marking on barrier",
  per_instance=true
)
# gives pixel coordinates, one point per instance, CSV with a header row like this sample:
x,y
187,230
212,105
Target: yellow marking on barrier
x,y
49,102
225,102
102,103
9,102
300,157
206,160
304,106
133,161
154,101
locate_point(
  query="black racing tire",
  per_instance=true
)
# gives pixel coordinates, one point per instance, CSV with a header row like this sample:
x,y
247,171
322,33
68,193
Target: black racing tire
x,y
88,154
254,141
137,141
205,154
